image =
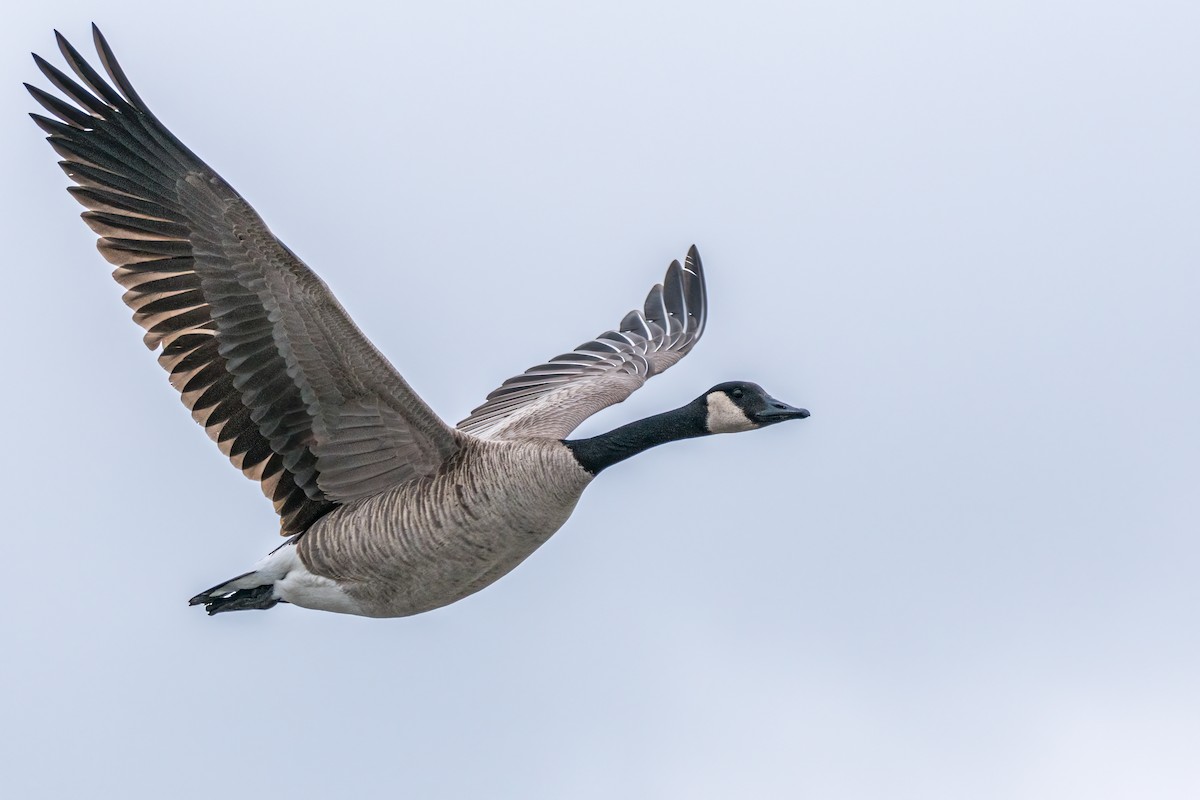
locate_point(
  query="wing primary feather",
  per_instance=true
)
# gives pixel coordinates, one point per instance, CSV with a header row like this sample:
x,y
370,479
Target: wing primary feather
x,y
103,200
52,126
104,155
106,224
655,309
67,113
696,291
673,295
88,75
70,88
90,176
635,323
109,61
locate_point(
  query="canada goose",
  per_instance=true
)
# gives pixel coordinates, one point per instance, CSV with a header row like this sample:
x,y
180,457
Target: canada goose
x,y
388,511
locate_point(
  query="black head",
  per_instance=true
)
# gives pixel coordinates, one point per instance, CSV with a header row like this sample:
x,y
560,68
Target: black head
x,y
743,406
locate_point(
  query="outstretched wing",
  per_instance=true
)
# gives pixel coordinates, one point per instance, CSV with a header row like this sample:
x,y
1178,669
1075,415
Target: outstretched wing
x,y
264,356
551,399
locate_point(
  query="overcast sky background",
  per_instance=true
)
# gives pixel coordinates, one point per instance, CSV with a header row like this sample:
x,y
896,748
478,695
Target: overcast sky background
x,y
963,234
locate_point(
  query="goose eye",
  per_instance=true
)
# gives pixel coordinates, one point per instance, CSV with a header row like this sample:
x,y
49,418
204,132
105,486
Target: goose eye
x,y
737,393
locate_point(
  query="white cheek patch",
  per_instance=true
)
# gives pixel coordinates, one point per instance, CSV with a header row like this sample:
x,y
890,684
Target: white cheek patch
x,y
724,416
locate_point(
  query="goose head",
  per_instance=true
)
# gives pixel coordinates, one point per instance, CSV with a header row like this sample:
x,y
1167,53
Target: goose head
x,y
738,406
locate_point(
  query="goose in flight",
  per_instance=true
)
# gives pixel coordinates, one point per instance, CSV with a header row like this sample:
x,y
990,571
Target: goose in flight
x,y
387,510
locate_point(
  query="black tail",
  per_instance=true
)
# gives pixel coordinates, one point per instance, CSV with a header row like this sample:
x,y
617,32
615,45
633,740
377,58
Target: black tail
x,y
215,601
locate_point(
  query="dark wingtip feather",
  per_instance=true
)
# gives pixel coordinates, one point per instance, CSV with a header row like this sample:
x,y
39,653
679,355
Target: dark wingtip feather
x,y
693,264
116,73
42,64
675,298
70,88
51,126
64,111
697,291
87,74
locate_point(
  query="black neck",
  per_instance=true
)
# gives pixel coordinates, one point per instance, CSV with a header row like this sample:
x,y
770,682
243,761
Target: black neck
x,y
603,451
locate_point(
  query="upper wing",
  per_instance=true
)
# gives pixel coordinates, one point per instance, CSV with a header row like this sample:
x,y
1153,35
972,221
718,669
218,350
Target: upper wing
x,y
551,399
264,355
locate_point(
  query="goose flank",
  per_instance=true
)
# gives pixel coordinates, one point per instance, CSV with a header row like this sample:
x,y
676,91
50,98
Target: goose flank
x,y
388,511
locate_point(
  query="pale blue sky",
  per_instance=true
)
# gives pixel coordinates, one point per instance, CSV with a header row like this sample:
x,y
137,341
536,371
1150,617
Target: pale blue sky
x,y
963,234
